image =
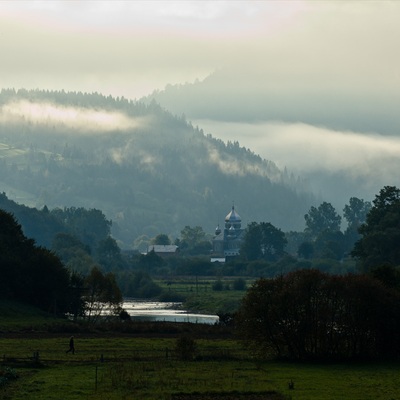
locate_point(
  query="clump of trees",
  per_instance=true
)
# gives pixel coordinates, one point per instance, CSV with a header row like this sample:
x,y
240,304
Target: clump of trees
x,y
37,276
380,234
309,314
30,273
193,241
263,241
268,251
323,238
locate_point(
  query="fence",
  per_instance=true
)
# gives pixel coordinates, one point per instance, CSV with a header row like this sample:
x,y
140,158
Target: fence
x,y
154,355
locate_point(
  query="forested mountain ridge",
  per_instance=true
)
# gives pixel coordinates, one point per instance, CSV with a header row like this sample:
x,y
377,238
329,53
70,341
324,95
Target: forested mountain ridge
x,y
90,227
319,133
147,170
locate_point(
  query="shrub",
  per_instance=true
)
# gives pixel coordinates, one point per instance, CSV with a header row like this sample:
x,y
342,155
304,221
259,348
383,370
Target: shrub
x,y
217,285
239,284
185,348
7,374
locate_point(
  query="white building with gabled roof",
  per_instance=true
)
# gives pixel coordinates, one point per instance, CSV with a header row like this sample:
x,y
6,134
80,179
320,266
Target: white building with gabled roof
x,y
163,250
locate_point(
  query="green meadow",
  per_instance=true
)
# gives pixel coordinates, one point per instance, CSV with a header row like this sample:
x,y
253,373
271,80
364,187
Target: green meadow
x,y
199,295
130,367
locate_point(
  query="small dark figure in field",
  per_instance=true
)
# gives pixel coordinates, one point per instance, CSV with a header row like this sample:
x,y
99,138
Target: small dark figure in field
x,y
71,346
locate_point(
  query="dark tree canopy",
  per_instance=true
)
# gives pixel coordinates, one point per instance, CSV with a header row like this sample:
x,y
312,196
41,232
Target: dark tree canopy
x,y
90,226
193,241
102,292
388,275
263,241
356,212
192,236
306,250
308,314
108,254
323,218
29,273
380,241
162,239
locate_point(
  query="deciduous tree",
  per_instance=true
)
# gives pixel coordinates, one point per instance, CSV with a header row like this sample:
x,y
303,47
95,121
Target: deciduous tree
x,y
263,241
356,214
323,218
102,294
308,314
161,239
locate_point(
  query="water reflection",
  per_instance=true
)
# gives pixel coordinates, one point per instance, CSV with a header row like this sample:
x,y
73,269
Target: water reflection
x,y
164,311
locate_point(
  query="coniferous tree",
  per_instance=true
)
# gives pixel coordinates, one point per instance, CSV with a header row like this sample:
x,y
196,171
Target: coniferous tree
x,y
380,234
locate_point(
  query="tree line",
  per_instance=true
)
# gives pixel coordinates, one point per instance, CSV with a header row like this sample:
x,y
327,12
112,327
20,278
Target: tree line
x,y
36,275
78,267
309,314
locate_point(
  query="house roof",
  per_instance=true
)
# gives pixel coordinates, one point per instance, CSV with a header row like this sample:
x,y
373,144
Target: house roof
x,y
159,248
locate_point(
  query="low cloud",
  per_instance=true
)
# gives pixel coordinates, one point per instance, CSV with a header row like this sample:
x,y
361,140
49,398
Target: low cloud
x,y
74,118
125,153
231,166
370,161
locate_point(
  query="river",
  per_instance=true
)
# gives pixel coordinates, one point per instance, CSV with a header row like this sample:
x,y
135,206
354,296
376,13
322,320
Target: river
x,y
164,311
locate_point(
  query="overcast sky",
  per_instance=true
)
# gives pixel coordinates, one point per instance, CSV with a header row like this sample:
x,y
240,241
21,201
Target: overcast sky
x,y
130,48
349,49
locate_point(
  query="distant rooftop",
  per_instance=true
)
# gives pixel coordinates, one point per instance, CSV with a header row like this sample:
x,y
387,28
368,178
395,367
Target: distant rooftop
x,y
160,248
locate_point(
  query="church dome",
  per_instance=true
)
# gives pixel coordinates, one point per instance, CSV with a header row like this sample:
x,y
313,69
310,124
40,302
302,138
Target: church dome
x,y
233,216
233,220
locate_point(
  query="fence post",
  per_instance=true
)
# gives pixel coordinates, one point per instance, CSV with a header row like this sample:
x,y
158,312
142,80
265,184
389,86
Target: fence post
x,y
36,356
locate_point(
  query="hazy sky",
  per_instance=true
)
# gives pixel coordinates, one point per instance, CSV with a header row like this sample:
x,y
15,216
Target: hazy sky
x,y
344,49
130,48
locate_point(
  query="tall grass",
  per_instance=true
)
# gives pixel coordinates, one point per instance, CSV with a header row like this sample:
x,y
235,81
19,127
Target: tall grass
x,y
147,368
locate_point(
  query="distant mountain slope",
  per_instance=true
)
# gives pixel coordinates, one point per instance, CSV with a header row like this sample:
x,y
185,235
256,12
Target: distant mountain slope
x,y
226,95
344,141
148,171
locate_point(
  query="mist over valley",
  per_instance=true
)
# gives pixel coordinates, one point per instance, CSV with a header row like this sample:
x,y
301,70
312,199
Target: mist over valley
x,y
275,106
228,159
148,171
341,144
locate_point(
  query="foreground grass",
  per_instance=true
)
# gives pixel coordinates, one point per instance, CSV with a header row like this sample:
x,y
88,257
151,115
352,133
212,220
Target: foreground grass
x,y
144,368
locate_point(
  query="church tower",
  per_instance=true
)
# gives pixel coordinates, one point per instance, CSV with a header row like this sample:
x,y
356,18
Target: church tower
x,y
227,242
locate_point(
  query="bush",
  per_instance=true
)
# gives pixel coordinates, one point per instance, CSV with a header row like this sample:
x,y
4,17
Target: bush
x,y
239,284
6,375
217,286
185,348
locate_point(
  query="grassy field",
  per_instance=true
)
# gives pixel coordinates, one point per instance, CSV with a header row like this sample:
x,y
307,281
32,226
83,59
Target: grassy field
x,y
200,296
146,368
18,316
143,364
